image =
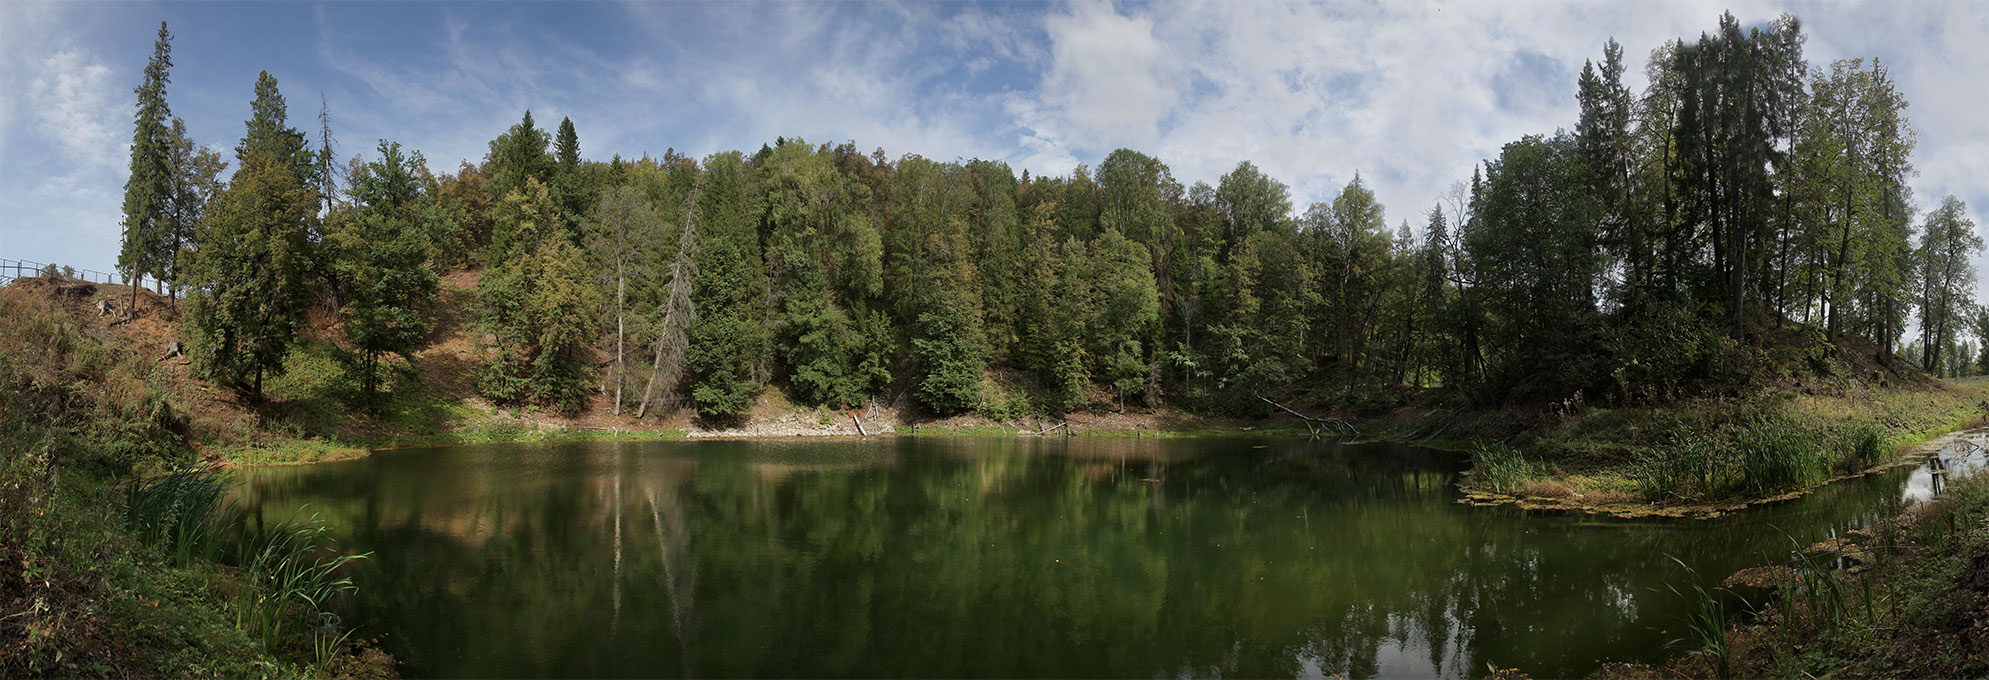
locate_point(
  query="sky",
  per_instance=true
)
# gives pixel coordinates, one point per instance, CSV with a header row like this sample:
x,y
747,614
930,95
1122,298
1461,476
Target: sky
x,y
1410,95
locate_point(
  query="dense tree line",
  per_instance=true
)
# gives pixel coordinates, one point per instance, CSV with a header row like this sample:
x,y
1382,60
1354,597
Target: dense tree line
x,y
1642,257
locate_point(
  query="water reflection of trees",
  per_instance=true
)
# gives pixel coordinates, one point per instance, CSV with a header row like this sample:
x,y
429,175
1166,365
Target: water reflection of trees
x,y
978,557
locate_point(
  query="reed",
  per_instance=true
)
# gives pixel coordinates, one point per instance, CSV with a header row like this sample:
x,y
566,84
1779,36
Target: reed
x,y
295,572
1503,468
182,511
1705,621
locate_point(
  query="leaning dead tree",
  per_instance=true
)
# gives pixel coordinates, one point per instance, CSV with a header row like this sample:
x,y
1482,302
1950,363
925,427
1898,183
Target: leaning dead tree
x,y
1315,425
678,313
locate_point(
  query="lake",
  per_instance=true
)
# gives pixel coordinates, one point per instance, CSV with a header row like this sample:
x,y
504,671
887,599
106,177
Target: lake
x,y
1004,557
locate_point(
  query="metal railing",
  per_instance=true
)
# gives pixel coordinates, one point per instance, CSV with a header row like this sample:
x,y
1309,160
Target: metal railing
x,y
16,269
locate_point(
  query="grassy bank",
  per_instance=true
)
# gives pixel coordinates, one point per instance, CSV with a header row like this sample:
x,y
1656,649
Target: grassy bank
x,y
107,572
1701,457
1914,603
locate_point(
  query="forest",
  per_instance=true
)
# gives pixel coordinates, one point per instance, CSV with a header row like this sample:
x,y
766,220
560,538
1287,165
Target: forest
x,y
1634,260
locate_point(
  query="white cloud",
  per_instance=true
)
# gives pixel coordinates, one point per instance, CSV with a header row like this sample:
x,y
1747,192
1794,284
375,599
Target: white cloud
x,y
1109,77
76,106
1412,95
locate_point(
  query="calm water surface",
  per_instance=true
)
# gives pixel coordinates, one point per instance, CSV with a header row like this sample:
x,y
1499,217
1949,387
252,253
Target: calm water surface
x,y
941,557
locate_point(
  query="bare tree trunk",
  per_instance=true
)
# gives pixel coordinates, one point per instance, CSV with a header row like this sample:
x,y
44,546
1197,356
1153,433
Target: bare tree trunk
x,y
678,314
621,367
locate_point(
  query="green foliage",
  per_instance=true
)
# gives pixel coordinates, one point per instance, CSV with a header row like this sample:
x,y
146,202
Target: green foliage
x,y
539,303
181,510
196,180
1503,468
1947,281
148,193
572,189
1705,622
1536,265
270,136
458,218
294,573
515,157
826,259
1002,403
1867,448
1779,455
948,357
1757,455
379,256
1128,310
728,338
251,295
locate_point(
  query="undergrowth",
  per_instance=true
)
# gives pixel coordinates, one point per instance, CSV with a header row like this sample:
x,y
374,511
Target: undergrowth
x,y
105,568
1908,598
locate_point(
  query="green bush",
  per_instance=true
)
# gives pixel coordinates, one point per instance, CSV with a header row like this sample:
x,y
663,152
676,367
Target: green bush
x,y
1001,404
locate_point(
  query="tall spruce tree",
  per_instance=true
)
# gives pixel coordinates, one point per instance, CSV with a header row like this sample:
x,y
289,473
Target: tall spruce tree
x,y
269,134
148,193
379,256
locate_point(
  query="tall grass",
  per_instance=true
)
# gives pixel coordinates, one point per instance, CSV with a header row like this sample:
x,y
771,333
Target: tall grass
x,y
295,573
1866,447
1760,456
1705,620
1503,468
181,510
1688,465
1777,454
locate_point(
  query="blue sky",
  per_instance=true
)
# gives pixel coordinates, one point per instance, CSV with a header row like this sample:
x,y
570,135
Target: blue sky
x,y
1409,94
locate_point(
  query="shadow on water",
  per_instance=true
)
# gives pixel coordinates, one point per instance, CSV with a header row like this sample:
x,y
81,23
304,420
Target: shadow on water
x,y
1003,557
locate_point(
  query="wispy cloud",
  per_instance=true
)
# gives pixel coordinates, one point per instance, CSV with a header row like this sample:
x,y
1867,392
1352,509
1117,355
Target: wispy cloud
x,y
1409,94
76,107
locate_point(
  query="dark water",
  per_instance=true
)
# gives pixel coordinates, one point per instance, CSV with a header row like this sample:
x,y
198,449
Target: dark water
x,y
940,557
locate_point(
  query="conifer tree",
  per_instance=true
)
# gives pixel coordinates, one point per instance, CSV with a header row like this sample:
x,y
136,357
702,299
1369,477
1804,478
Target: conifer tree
x,y
249,297
516,156
539,304
148,193
269,134
728,336
379,256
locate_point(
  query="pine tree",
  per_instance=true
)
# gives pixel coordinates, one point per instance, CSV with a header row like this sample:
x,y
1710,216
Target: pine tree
x,y
539,303
269,134
516,156
148,193
728,337
569,184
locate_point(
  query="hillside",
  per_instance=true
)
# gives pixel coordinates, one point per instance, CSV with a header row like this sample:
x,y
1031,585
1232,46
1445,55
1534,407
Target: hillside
x,y
309,415
1782,412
